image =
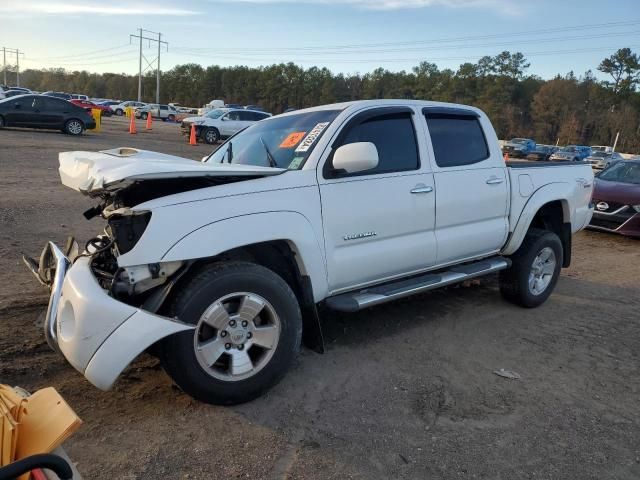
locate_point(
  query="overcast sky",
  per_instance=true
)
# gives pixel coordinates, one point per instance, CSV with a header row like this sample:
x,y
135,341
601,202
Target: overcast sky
x,y
348,36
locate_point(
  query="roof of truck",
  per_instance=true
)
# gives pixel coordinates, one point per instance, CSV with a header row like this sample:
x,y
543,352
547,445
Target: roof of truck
x,y
383,102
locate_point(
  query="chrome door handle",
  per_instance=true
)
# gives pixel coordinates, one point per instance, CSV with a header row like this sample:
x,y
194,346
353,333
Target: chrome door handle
x,y
494,181
422,189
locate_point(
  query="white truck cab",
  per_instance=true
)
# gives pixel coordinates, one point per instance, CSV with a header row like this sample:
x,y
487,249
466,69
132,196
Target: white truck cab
x,y
220,264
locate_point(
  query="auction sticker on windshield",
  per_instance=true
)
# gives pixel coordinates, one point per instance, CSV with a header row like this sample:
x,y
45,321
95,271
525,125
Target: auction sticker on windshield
x,y
312,137
292,140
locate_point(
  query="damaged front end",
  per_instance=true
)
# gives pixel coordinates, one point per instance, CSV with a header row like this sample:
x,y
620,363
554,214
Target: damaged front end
x,y
101,316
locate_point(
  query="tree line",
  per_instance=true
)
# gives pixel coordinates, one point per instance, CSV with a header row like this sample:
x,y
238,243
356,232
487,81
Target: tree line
x,y
569,108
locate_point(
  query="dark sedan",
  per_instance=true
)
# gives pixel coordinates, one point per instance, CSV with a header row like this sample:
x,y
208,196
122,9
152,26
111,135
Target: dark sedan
x,y
616,196
39,111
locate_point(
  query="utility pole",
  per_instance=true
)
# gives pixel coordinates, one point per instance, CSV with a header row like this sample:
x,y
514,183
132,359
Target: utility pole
x,y
160,42
6,50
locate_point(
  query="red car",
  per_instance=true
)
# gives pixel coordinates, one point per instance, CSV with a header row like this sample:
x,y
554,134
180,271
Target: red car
x,y
616,196
87,105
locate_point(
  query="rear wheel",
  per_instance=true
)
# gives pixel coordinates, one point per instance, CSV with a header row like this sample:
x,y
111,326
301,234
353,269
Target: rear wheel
x,y
247,333
144,115
171,118
211,135
74,127
119,112
535,269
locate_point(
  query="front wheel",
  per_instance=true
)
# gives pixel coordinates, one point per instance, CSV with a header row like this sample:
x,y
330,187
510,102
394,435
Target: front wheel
x,y
247,333
171,118
534,271
74,127
144,115
119,112
211,136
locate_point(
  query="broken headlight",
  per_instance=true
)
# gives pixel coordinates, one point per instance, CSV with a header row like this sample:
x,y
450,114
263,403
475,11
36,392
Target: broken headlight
x,y
126,230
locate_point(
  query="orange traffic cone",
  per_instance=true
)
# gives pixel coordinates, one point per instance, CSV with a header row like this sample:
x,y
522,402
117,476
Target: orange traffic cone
x,y
132,125
506,156
192,136
149,121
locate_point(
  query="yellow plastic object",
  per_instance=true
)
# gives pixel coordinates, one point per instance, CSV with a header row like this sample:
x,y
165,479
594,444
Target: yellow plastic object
x,y
33,424
96,113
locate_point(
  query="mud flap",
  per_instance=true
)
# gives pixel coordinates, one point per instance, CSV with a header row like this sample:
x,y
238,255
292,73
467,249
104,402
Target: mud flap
x,y
311,328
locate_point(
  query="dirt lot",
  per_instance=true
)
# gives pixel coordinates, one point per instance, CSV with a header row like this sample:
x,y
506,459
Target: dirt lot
x,y
405,390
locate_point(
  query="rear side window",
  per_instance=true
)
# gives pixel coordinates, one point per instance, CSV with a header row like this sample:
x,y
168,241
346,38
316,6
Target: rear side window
x,y
394,137
457,140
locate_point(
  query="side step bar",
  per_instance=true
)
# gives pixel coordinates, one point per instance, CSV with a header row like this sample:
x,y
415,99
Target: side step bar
x,y
354,301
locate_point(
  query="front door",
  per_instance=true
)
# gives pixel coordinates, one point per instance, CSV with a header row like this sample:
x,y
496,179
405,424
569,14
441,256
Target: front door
x,y
379,223
470,185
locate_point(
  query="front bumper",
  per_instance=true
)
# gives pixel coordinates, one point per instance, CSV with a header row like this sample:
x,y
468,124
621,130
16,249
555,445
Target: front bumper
x,y
623,220
96,333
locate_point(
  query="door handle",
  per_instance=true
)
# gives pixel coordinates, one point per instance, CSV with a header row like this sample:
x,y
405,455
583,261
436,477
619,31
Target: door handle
x,y
422,189
494,181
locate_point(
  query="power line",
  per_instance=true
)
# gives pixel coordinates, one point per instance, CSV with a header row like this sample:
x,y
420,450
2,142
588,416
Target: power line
x,y
80,55
17,53
446,47
536,32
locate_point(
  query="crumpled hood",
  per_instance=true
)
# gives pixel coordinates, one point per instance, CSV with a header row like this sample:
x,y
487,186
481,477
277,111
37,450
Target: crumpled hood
x,y
93,173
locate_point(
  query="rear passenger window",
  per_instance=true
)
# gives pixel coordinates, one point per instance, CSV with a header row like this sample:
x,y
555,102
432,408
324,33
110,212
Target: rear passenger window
x,y
394,137
457,139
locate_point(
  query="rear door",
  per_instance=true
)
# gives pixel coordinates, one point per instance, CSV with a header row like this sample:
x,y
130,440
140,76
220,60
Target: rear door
x,y
379,224
470,184
53,111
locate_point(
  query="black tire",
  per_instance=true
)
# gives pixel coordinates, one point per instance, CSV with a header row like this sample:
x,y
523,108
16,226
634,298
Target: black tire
x,y
144,115
211,135
177,353
73,126
1,121
514,282
171,118
119,112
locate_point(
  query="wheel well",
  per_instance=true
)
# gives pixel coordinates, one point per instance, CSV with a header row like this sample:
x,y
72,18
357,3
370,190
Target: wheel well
x,y
279,257
551,217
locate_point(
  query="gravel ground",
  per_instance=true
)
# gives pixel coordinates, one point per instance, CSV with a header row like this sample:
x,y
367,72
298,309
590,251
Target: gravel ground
x,y
405,390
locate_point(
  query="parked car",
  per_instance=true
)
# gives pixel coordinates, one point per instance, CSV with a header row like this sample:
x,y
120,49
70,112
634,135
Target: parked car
x,y
40,111
519,147
601,148
571,153
163,112
220,264
87,105
233,105
13,93
617,199
20,89
542,152
62,95
108,103
221,123
255,108
601,159
121,107
77,96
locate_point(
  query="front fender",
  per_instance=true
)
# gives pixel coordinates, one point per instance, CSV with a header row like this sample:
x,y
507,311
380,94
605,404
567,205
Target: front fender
x,y
549,193
235,232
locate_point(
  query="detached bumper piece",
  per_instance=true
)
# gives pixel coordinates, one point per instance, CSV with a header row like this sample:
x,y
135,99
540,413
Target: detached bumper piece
x,y
96,333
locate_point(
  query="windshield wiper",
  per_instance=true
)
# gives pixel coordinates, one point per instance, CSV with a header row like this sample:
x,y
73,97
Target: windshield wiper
x,y
272,161
230,152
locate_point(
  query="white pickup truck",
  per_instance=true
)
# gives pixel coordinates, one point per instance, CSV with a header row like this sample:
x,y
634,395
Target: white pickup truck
x,y
218,266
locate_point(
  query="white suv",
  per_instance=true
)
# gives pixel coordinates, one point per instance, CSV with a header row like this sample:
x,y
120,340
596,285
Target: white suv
x,y
121,107
222,123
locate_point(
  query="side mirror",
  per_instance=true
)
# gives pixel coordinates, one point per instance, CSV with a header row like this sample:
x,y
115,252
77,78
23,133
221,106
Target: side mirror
x,y
356,157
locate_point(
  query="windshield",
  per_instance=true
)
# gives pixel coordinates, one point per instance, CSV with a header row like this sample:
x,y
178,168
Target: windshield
x,y
215,113
623,172
283,142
